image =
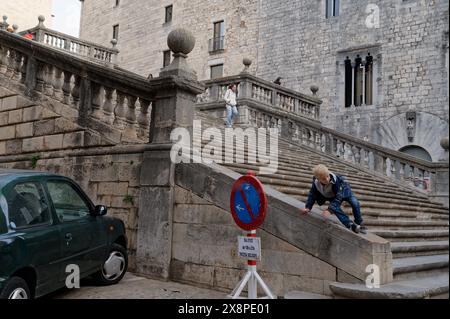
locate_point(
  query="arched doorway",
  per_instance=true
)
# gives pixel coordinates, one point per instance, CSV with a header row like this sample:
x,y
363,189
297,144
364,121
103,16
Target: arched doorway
x,y
416,151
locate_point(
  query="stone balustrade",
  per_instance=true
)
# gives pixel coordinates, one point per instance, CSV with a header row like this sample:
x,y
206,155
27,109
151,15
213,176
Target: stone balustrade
x,y
61,41
94,95
251,88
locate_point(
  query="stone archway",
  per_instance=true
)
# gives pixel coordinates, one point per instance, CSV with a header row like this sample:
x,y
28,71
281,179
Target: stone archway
x,y
397,133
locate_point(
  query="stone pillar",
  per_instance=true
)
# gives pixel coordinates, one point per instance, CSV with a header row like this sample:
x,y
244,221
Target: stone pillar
x,y
172,108
440,180
40,32
353,83
363,102
245,87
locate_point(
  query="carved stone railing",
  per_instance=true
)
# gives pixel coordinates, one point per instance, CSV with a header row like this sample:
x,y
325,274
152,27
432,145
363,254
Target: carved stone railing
x,y
61,41
96,96
251,88
300,125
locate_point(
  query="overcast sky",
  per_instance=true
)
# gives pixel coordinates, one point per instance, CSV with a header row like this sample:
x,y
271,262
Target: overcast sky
x,y
67,16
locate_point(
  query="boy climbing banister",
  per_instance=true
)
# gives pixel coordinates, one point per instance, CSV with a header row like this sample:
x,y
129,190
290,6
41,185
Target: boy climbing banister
x,y
332,188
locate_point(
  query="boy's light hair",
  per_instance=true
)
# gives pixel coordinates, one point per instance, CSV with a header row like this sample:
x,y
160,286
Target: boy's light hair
x,y
320,171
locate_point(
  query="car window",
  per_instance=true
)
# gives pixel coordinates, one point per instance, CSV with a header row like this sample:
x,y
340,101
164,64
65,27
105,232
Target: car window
x,y
27,206
68,203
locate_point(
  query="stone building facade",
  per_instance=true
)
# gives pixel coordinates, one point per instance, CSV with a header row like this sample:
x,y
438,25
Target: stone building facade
x,y
381,65
24,13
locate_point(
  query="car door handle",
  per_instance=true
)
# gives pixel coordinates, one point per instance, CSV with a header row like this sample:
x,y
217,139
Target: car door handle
x,y
68,237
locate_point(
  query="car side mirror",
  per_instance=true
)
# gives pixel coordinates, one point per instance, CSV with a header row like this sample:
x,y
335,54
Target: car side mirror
x,y
100,210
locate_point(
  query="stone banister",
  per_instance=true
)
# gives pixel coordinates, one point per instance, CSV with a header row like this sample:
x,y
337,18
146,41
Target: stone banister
x,y
74,45
93,94
264,92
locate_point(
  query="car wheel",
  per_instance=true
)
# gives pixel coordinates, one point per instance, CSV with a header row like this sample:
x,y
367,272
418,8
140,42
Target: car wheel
x,y
114,267
15,288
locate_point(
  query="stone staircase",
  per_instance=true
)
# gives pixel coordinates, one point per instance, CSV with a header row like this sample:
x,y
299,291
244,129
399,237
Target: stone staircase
x,y
416,226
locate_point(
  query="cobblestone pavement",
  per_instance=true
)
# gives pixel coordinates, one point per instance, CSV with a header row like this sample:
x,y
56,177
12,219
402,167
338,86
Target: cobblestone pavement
x,y
134,287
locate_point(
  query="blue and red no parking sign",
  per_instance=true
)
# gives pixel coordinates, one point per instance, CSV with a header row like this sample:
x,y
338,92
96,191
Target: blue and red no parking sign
x,y
248,202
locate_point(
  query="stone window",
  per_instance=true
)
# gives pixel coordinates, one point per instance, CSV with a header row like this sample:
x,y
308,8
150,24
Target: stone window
x,y
359,80
166,58
117,2
116,32
168,16
216,71
331,8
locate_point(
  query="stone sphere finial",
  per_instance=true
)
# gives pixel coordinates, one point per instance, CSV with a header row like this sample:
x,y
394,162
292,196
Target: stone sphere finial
x,y
15,28
444,143
5,18
114,43
41,19
314,89
181,41
247,62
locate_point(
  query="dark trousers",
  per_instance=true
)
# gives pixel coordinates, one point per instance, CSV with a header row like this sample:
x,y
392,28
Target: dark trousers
x,y
340,214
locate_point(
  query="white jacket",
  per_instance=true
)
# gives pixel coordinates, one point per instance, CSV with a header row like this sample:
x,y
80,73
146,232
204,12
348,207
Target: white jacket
x,y
230,97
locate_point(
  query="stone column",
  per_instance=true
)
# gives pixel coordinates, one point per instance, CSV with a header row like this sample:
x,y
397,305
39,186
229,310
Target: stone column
x,y
353,83
363,64
440,180
40,32
172,108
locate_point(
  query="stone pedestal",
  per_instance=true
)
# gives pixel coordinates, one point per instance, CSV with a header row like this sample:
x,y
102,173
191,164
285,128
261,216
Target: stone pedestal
x,y
172,108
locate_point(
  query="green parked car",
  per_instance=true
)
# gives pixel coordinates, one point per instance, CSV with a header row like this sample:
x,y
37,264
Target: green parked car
x,y
50,231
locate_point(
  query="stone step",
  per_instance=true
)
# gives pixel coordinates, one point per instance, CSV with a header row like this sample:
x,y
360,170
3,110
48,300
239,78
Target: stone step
x,y
411,249
402,215
295,294
419,266
388,214
307,178
376,208
393,205
305,175
302,189
412,235
418,288
393,224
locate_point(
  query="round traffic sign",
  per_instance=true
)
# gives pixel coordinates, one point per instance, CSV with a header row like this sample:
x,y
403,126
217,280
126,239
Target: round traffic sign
x,y
248,202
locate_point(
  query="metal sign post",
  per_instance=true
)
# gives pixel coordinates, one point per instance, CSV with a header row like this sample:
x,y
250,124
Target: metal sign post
x,y
248,204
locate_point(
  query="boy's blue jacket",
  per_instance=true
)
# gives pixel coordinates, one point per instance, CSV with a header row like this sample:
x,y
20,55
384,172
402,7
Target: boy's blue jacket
x,y
340,187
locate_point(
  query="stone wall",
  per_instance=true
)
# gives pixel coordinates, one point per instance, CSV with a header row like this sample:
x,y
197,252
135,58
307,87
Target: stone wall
x,y
410,48
24,13
143,33
204,252
33,137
